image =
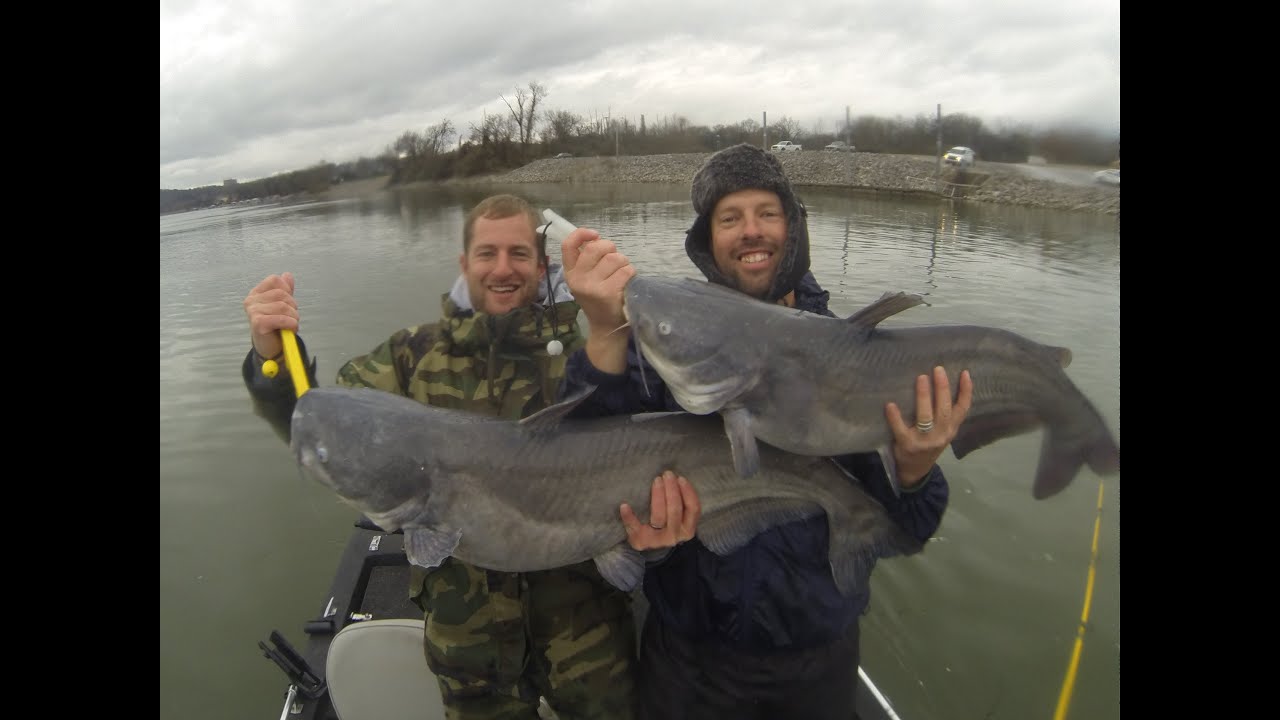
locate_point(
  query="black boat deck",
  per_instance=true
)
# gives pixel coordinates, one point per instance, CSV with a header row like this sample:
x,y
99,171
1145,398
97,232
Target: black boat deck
x,y
372,582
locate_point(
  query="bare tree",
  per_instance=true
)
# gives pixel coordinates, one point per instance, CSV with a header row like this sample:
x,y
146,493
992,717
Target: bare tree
x,y
493,129
675,124
561,125
525,113
787,128
961,129
410,144
439,137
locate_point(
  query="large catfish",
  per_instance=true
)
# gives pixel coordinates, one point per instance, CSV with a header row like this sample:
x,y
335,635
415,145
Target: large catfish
x,y
544,492
817,385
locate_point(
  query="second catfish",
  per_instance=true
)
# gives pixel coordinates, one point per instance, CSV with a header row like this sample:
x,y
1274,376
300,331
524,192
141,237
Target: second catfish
x,y
815,385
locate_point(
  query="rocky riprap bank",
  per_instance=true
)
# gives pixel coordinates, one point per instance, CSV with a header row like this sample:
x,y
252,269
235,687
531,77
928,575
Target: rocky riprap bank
x,y
868,172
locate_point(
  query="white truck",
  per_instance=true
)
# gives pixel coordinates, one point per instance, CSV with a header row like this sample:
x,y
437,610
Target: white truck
x,y
787,146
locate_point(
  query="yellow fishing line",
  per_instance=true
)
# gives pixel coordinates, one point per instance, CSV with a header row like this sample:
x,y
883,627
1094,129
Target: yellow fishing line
x,y
1068,683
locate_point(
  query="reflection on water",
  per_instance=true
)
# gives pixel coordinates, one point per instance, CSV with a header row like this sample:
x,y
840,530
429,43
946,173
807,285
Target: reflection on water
x,y
979,625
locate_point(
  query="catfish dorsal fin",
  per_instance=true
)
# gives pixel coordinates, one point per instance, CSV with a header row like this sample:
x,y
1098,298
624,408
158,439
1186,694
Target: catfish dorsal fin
x,y
888,305
549,418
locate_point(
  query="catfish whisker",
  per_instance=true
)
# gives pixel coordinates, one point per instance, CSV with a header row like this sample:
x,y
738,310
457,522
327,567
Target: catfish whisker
x,y
640,364
643,381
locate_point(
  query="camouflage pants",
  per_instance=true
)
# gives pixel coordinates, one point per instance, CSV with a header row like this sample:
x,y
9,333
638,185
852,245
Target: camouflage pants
x,y
497,641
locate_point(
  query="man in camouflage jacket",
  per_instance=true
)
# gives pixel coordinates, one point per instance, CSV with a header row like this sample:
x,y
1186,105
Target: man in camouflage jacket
x,y
496,641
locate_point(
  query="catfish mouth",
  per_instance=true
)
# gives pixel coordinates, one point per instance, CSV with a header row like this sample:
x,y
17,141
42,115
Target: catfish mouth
x,y
680,374
311,459
679,358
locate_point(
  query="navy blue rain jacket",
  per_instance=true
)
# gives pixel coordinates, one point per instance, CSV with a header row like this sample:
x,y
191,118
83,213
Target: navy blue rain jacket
x,y
776,592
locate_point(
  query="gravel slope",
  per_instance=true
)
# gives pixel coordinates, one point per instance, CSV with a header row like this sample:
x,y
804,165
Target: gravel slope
x,y
998,183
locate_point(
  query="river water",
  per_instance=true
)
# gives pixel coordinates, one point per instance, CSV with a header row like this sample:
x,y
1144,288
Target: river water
x,y
980,625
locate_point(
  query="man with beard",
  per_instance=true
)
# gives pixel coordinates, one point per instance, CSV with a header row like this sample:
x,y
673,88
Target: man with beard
x,y
762,632
496,641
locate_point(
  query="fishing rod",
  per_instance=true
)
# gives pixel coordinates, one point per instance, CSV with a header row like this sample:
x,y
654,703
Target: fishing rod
x,y
292,360
1068,683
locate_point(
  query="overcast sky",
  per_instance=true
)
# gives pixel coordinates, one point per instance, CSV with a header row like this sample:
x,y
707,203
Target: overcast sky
x,y
250,88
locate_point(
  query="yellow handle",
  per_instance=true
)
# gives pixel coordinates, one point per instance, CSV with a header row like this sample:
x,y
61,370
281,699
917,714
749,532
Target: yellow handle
x,y
292,360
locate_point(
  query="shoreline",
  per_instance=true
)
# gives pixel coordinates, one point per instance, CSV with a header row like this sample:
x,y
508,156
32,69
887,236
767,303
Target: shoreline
x,y
869,173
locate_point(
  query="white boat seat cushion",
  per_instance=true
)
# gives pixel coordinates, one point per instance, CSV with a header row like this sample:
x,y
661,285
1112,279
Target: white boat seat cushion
x,y
378,669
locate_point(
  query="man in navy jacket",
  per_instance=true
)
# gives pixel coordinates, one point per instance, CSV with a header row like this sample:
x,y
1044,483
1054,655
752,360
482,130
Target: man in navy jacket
x,y
762,632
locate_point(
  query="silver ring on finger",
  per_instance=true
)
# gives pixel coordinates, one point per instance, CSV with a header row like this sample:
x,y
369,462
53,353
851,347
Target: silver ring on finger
x,y
657,527
924,427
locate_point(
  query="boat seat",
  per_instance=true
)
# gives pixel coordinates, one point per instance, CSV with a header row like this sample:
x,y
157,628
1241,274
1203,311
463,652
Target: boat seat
x,y
378,669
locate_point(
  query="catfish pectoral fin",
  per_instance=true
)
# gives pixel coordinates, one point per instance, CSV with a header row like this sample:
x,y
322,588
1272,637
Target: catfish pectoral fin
x,y
428,548
861,533
978,431
890,468
853,555
742,441
622,565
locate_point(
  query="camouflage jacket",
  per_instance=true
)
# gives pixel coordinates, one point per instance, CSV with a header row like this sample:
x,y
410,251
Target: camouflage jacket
x,y
496,366
493,365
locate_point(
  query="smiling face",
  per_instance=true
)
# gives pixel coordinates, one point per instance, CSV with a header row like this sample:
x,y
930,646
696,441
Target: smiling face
x,y
502,264
748,238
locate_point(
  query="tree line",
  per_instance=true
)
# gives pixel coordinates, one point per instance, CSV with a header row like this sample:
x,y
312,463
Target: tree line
x,y
527,132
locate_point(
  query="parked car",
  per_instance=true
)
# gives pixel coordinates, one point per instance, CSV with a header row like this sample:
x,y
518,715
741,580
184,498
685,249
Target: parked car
x,y
787,146
959,155
839,146
1108,177
562,155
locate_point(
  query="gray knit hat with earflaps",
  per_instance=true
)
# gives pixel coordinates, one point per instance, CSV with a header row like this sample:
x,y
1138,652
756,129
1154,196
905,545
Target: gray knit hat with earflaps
x,y
746,167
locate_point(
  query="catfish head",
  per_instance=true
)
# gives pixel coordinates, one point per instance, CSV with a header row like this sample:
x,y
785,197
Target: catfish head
x,y
360,444
704,364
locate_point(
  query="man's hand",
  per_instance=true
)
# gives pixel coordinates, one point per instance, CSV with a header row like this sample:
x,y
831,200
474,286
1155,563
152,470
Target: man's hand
x,y
596,274
915,450
674,510
271,308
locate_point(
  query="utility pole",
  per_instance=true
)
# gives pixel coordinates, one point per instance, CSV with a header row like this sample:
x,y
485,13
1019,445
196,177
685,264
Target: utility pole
x,y
938,155
764,122
848,140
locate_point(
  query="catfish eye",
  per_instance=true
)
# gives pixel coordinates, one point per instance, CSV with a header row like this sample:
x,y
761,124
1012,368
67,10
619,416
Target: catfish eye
x,y
664,328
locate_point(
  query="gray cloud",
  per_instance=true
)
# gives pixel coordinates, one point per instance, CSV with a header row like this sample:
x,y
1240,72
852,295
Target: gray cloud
x,y
248,89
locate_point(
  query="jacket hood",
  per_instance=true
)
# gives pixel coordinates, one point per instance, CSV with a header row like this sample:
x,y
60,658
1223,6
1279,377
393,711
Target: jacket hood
x,y
461,295
519,339
746,167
